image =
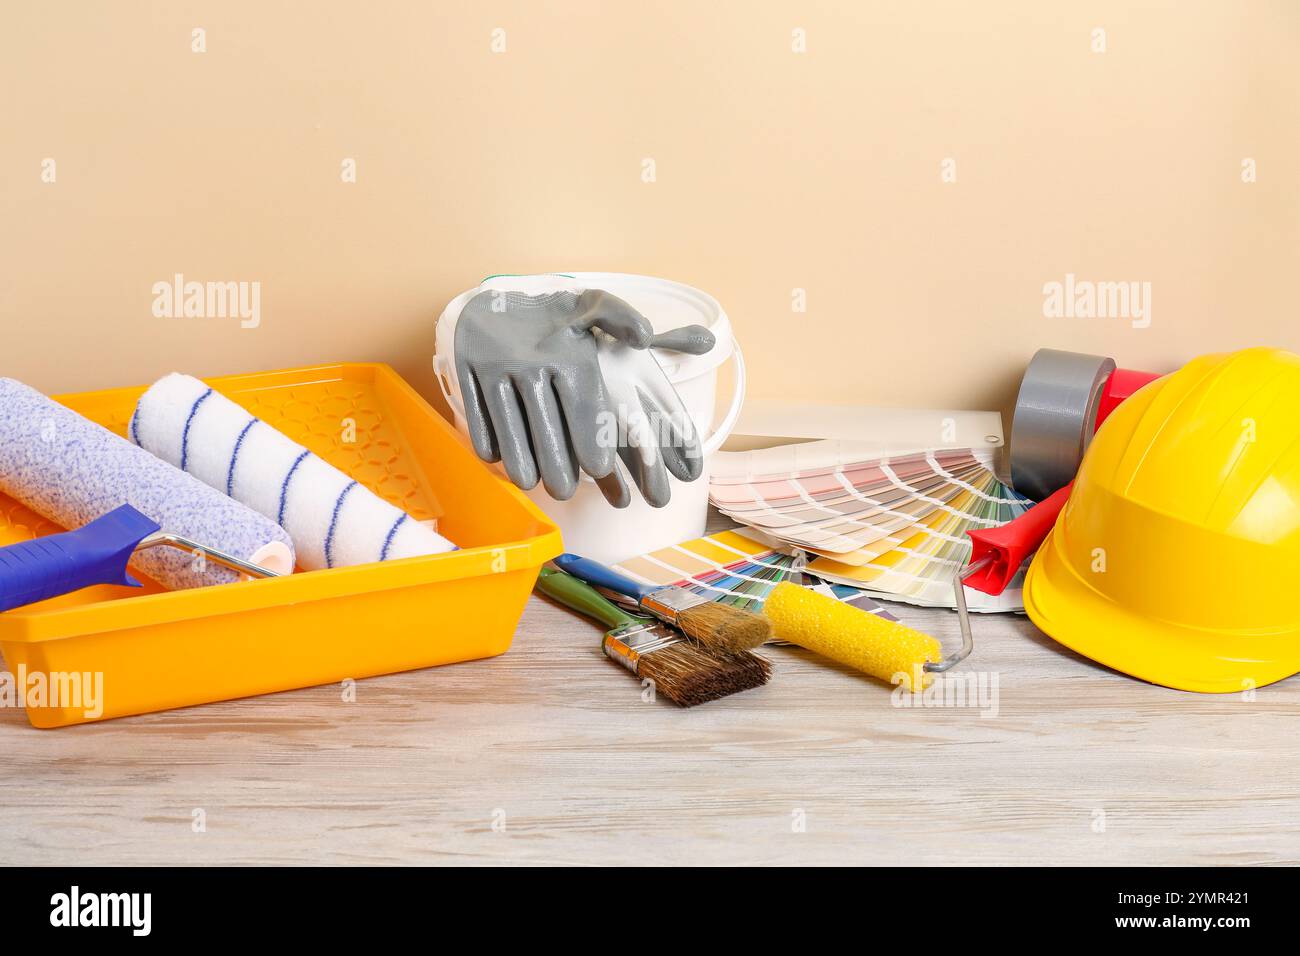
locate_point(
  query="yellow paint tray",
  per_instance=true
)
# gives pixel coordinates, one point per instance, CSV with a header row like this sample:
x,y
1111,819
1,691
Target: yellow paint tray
x,y
158,649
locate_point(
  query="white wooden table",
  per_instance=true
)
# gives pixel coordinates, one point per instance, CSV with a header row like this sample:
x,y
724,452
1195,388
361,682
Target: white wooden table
x,y
549,755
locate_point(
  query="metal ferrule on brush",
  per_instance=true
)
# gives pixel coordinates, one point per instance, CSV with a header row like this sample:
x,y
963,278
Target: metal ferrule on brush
x,y
629,643
667,604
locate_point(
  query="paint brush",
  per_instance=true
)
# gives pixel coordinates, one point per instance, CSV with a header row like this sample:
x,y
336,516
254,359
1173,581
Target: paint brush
x,y
716,626
684,672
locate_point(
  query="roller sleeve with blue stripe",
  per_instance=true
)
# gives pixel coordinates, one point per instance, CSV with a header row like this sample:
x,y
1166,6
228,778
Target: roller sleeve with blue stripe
x,y
333,520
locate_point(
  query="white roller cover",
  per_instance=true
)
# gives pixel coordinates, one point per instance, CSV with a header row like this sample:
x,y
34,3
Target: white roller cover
x,y
333,520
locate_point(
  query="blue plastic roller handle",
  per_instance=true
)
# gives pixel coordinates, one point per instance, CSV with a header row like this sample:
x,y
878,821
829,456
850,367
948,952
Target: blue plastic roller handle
x,y
593,572
95,553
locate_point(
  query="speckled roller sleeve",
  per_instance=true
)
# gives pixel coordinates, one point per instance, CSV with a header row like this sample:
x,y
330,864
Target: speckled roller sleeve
x,y
71,470
333,520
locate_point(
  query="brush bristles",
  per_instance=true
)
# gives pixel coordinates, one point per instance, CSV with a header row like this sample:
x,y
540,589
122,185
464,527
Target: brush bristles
x,y
723,628
688,675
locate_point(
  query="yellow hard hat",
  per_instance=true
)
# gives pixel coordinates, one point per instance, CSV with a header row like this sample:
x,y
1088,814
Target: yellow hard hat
x,y
1177,557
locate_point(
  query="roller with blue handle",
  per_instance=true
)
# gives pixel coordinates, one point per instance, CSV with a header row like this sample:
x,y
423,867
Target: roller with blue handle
x,y
97,553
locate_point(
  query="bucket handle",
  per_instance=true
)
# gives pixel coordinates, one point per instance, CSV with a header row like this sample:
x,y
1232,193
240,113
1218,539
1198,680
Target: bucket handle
x,y
441,370
723,431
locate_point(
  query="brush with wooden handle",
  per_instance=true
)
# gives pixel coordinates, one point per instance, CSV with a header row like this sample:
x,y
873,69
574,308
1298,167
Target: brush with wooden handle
x,y
681,670
717,626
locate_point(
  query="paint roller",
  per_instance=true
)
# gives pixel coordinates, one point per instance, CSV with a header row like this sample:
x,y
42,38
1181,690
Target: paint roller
x,y
77,473
877,646
97,553
1064,398
333,520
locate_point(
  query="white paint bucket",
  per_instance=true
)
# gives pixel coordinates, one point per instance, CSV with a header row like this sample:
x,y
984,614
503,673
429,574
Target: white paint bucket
x,y
590,526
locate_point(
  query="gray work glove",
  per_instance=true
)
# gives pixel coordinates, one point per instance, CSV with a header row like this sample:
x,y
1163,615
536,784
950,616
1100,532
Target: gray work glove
x,y
656,436
530,379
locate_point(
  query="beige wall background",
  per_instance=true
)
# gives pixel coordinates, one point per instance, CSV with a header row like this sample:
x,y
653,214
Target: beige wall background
x,y
776,171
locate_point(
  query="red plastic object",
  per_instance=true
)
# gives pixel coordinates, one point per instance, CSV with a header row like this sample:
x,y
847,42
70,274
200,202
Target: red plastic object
x,y
1009,544
1122,383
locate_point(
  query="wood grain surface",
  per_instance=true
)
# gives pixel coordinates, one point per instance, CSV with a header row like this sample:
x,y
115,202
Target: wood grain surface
x,y
554,745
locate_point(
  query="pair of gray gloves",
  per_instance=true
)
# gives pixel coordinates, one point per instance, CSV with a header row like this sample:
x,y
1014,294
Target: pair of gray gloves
x,y
563,382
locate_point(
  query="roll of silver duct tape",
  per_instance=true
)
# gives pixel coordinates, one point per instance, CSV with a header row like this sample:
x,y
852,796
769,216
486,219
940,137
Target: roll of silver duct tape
x,y
1056,413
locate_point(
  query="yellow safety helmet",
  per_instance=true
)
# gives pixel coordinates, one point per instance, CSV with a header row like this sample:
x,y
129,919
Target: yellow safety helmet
x,y
1177,556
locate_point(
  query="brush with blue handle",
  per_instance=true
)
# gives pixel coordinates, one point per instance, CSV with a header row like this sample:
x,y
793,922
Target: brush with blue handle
x,y
716,626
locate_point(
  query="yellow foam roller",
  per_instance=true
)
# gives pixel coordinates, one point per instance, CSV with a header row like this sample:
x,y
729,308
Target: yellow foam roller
x,y
866,642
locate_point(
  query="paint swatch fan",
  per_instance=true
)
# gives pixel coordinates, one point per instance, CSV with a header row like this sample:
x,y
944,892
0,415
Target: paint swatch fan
x,y
889,513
